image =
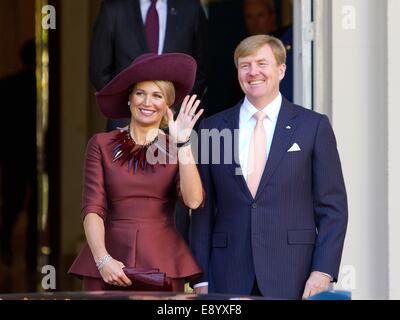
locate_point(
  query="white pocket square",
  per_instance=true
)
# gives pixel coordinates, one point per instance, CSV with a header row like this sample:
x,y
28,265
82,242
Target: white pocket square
x,y
294,147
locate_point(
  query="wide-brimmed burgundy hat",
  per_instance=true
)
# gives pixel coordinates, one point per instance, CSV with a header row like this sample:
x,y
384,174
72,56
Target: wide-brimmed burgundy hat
x,y
179,68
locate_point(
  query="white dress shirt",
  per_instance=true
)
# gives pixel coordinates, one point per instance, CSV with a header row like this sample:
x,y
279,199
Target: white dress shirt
x,y
247,124
162,8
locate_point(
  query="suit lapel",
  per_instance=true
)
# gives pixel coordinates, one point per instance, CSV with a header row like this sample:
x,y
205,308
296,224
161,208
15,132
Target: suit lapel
x,y
172,25
136,27
234,168
285,127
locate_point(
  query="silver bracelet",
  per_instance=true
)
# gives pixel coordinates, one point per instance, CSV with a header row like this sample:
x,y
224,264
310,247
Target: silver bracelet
x,y
102,261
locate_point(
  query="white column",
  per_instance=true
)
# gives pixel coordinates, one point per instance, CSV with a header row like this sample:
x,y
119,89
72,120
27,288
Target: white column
x,y
322,59
393,66
303,34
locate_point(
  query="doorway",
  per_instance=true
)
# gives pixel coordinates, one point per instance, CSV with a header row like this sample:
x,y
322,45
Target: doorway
x,y
230,21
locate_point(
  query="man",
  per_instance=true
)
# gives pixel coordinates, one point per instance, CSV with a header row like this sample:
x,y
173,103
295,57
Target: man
x,y
121,34
277,229
260,16
18,163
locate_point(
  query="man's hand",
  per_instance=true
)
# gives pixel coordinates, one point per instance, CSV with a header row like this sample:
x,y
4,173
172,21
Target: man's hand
x,y
317,282
201,290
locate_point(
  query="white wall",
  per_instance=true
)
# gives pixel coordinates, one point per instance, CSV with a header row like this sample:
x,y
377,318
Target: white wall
x,y
359,114
393,90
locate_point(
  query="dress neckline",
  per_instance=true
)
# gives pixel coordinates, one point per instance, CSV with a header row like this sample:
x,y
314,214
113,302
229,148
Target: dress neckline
x,y
126,150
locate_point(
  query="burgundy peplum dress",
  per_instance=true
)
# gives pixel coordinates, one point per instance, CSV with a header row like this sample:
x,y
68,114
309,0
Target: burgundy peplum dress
x,y
138,211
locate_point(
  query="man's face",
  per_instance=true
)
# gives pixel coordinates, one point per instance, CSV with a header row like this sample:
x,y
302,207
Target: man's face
x,y
259,75
259,19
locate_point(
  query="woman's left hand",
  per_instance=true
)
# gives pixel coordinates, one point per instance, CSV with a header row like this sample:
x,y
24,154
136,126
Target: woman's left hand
x,y
181,128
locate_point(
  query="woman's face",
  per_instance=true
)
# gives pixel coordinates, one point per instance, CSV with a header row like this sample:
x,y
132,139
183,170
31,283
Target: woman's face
x,y
148,104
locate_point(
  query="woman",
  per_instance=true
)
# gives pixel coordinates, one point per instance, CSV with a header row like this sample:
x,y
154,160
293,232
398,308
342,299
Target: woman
x,y
128,200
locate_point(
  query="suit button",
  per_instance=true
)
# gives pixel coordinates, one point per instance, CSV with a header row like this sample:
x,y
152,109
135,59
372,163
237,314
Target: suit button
x,y
254,205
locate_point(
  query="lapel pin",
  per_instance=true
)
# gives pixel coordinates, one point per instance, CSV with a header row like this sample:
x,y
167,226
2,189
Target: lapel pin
x,y
288,127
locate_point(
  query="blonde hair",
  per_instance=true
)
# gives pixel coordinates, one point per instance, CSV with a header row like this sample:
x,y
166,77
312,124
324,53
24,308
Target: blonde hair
x,y
251,44
168,91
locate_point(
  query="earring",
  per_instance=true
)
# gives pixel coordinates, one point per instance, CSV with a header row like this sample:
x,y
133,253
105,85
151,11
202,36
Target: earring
x,y
129,103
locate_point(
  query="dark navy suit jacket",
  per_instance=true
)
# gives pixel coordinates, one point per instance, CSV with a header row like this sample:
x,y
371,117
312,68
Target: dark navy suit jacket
x,y
295,224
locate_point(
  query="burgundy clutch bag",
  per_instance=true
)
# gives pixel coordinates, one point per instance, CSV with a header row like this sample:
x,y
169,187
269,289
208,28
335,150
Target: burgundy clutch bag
x,y
144,279
151,277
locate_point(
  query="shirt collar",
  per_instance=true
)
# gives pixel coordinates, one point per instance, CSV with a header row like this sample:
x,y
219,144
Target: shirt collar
x,y
271,109
142,2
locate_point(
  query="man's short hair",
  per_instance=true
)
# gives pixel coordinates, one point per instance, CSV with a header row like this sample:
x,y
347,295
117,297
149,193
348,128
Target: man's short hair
x,y
251,44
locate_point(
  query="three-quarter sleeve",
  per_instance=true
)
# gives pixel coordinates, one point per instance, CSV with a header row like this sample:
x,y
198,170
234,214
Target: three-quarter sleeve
x,y
94,199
